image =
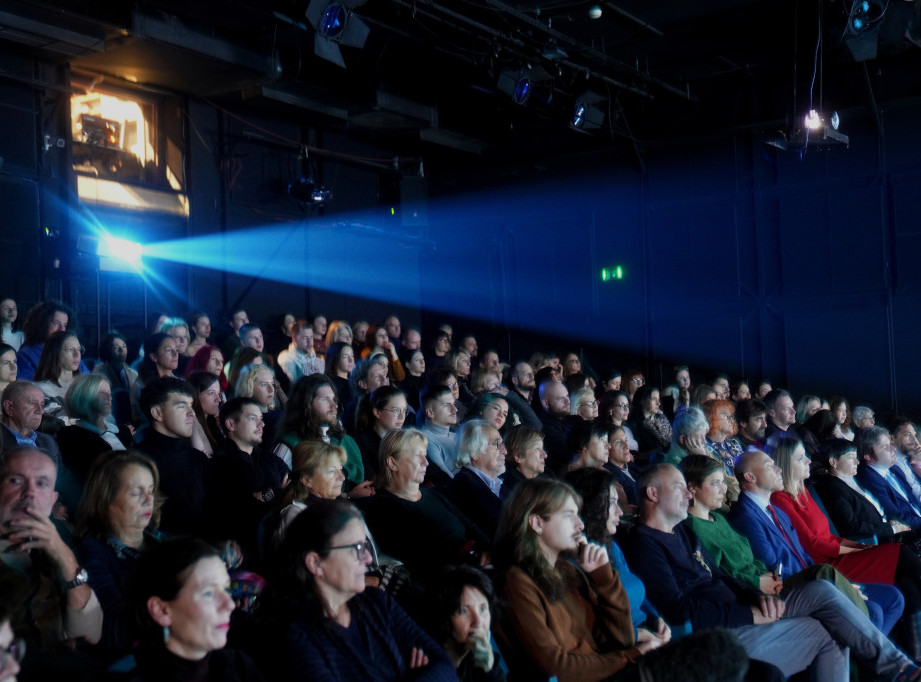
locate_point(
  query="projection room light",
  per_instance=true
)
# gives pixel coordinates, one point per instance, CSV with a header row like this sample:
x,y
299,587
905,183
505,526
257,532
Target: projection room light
x,y
336,24
862,32
815,121
588,112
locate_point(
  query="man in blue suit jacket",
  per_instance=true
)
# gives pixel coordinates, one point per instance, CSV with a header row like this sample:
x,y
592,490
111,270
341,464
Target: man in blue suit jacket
x,y
886,482
774,540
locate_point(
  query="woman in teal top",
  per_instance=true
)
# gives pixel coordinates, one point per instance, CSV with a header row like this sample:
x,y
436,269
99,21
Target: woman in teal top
x,y
601,514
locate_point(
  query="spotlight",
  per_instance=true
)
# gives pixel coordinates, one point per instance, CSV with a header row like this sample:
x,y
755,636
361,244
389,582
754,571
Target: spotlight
x,y
812,121
515,84
863,23
115,254
308,193
336,24
588,113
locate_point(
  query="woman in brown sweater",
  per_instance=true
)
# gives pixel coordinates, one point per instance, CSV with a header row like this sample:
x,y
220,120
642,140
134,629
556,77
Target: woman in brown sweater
x,y
564,620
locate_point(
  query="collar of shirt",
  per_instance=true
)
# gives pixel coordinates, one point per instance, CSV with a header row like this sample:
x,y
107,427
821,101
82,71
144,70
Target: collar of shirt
x,y
494,484
20,439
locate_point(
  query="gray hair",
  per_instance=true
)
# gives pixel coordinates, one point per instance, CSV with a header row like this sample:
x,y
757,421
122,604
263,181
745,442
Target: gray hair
x,y
576,396
471,441
860,412
692,419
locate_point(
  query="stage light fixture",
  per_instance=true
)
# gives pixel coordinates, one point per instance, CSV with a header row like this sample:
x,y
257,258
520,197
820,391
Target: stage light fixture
x,y
307,192
515,84
863,24
336,25
588,112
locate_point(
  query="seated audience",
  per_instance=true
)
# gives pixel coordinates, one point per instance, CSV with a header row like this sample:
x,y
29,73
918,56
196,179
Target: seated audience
x,y
379,413
116,522
312,414
245,478
568,615
316,474
462,611
206,403
113,365
160,360
89,402
42,320
525,458
8,314
588,443
300,359
401,503
335,627
200,326
180,596
684,588
620,463
23,407
475,487
880,476
340,361
167,404
648,423
440,416
44,584
58,366
8,366
257,381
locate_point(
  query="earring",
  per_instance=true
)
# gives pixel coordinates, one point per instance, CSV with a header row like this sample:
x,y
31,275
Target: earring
x,y
165,634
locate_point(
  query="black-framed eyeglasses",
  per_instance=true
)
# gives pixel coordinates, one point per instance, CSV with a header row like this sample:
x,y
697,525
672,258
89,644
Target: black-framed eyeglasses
x,y
15,651
357,547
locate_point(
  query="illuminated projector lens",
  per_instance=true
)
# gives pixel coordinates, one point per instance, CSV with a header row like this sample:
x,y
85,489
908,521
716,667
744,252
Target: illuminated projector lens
x,y
522,90
333,21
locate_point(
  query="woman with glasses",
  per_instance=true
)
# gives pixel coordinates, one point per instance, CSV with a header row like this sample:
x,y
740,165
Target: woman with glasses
x,y
620,463
614,410
583,403
380,412
721,419
332,625
8,366
57,367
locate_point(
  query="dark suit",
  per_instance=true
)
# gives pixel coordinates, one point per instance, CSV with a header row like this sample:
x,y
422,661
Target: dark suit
x,y
472,496
853,515
895,506
43,442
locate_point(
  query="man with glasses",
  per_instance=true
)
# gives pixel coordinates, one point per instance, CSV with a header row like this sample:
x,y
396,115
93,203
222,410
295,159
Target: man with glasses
x,y
554,402
440,415
475,488
245,477
23,407
863,417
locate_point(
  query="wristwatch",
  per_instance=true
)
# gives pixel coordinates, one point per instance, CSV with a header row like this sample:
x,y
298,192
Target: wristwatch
x,y
81,578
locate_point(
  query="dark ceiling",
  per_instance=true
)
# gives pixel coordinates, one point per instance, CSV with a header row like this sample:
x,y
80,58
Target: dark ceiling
x,y
426,81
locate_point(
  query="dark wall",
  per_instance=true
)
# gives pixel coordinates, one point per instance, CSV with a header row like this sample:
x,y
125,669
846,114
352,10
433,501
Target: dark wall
x,y
738,257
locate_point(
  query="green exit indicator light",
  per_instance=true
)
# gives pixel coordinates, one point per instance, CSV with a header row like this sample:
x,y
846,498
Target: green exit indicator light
x,y
607,274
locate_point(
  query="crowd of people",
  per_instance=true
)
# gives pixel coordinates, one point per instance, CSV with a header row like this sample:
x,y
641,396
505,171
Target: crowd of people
x,y
326,500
